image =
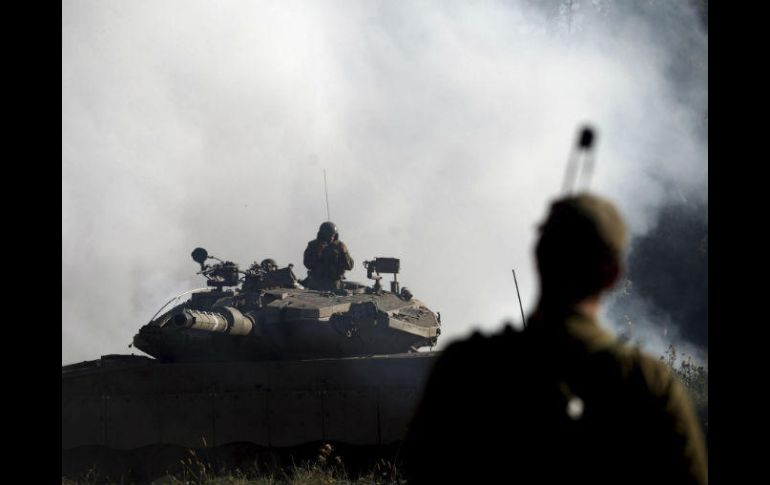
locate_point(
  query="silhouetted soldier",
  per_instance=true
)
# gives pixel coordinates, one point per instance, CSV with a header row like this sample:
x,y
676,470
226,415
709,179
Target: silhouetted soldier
x,y
562,400
326,259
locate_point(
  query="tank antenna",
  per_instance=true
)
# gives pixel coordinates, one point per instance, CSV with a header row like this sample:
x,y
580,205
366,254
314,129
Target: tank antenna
x,y
326,191
583,152
523,320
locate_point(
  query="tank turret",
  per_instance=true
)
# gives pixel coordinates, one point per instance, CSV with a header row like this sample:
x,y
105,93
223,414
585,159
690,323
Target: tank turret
x,y
265,313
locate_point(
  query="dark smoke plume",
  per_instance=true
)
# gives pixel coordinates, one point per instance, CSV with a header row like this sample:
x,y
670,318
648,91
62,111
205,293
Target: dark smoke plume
x,y
668,272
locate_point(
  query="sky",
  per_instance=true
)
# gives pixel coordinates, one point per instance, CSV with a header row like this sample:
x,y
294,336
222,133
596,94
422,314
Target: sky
x,y
444,129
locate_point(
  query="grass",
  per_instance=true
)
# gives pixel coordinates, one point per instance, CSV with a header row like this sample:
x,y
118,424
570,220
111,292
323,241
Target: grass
x,y
327,468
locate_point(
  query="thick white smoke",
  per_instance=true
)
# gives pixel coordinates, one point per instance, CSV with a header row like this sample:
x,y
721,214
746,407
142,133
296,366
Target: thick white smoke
x,y
444,128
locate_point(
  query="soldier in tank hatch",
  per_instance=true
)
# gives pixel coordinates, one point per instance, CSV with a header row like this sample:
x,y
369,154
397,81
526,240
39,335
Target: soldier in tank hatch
x,y
326,258
561,401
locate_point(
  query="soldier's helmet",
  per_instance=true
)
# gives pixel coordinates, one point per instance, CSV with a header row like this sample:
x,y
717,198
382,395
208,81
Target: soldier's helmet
x,y
327,230
581,245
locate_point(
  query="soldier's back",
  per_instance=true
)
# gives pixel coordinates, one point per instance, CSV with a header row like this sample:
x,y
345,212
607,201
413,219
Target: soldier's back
x,y
551,404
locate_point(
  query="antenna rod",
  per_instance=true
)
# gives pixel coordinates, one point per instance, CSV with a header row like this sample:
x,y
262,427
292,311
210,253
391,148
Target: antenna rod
x,y
326,191
569,175
523,321
582,152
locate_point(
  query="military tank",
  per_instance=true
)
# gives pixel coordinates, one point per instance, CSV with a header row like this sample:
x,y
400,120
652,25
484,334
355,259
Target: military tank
x,y
264,313
253,363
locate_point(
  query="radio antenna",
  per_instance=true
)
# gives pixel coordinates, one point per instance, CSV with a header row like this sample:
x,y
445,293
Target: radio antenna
x,y
523,321
326,191
583,152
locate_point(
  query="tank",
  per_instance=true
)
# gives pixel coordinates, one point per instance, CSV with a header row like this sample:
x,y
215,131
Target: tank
x,y
254,365
264,313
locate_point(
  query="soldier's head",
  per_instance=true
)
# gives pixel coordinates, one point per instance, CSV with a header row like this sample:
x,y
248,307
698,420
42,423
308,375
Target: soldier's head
x,y
327,231
581,247
269,264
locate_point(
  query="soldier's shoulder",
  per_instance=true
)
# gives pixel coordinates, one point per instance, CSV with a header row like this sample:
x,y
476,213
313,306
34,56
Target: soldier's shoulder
x,y
657,374
478,346
642,369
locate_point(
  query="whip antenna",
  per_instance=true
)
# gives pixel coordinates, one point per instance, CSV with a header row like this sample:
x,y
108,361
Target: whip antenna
x,y
326,191
523,321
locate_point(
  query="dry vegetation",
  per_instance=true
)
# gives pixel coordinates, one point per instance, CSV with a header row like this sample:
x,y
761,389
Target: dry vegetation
x,y
327,469
695,379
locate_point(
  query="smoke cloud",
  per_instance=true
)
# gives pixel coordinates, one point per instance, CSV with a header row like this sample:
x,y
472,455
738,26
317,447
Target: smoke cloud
x,y
444,129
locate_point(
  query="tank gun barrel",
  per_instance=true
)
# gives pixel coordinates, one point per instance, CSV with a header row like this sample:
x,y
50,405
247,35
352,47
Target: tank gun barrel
x,y
228,320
